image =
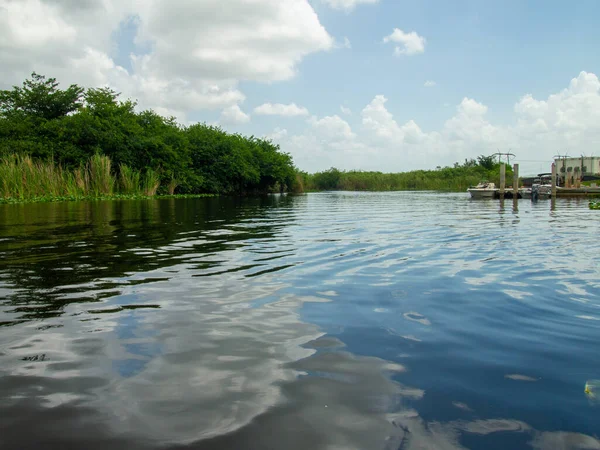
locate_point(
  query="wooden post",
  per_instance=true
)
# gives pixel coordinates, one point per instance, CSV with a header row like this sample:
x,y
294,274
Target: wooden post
x,y
553,180
515,181
502,179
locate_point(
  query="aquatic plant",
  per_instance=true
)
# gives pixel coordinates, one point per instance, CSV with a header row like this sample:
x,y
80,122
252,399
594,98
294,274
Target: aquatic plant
x,y
150,183
100,180
129,180
24,179
173,183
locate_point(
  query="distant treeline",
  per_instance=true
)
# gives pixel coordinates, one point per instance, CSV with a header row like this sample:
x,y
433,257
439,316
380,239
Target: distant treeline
x,y
457,178
44,127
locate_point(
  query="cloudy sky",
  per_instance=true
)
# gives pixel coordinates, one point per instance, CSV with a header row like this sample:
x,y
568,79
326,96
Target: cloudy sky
x,y
387,85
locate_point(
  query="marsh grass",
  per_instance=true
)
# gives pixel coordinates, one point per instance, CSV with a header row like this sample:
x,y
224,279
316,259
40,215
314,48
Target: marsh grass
x,y
22,177
150,183
100,180
173,183
456,179
25,179
129,180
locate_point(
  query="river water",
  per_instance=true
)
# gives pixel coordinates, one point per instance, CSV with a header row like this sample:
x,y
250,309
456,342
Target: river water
x,y
412,320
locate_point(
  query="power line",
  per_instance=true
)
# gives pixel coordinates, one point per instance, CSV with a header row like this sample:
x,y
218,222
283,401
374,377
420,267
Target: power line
x,y
507,154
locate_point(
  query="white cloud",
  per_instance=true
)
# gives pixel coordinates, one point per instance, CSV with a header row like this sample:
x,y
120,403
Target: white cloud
x,y
381,124
348,5
198,51
279,109
469,130
346,111
540,129
347,43
430,83
568,120
260,40
409,43
234,115
277,135
332,127
328,142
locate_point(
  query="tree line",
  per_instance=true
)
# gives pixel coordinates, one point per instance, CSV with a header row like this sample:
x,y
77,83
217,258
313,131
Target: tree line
x,y
70,127
456,178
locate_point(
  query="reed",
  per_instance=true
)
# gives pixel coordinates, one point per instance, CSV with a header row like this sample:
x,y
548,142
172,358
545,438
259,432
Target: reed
x,y
298,183
150,183
23,179
129,180
172,186
101,181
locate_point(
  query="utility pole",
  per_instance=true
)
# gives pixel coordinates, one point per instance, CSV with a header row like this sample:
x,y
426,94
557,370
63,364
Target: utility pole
x,y
564,167
501,154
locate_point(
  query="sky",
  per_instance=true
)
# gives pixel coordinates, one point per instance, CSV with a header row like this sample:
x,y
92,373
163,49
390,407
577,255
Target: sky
x,y
386,85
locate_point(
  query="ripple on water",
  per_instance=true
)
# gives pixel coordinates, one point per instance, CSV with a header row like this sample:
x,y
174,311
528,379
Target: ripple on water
x,y
331,320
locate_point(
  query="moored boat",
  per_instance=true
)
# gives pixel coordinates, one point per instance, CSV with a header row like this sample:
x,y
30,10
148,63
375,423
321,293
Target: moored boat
x,y
541,187
484,189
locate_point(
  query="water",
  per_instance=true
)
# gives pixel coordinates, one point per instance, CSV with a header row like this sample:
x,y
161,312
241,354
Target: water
x,y
326,321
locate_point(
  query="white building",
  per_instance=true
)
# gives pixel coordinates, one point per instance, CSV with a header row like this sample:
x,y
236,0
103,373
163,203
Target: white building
x,y
576,168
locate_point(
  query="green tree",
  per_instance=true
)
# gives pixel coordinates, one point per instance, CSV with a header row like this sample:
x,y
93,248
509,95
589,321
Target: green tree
x,y
40,97
328,180
487,162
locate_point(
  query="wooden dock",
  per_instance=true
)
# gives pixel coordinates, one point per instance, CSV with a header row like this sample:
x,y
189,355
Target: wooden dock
x,y
557,191
583,191
560,192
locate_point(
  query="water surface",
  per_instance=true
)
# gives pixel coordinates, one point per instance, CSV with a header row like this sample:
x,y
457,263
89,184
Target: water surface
x,y
325,321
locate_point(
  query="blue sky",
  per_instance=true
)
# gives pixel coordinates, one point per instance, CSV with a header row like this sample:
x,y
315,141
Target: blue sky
x,y
494,52
507,74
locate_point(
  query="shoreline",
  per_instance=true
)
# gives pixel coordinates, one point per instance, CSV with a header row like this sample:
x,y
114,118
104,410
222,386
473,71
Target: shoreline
x,y
89,198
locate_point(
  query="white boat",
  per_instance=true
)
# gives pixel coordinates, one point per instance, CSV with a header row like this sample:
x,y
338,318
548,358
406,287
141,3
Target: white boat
x,y
483,190
540,189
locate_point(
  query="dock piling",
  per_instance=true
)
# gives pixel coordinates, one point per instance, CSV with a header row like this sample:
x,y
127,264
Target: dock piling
x,y
502,180
553,180
515,181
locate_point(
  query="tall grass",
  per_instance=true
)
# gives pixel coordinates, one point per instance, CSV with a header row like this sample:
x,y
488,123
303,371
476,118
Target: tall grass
x,y
129,180
23,178
173,183
150,183
100,179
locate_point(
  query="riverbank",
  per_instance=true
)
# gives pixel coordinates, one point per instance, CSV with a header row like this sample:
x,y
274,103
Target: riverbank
x,y
24,180
52,199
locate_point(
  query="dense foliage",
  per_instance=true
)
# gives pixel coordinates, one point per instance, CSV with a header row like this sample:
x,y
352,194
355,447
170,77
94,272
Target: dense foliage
x,y
457,178
68,127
